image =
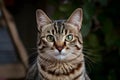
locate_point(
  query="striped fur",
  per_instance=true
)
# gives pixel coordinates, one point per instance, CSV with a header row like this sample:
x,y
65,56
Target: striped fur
x,y
59,59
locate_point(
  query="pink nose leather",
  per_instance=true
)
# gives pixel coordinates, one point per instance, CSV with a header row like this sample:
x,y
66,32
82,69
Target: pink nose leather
x,y
59,48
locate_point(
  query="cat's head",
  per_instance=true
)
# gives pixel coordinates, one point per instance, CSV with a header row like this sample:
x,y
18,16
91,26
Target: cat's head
x,y
59,39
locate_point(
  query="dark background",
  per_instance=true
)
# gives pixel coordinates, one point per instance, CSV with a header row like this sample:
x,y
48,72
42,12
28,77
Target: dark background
x,y
100,29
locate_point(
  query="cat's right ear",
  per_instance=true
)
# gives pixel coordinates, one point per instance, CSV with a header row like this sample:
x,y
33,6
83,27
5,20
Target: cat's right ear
x,y
76,18
41,18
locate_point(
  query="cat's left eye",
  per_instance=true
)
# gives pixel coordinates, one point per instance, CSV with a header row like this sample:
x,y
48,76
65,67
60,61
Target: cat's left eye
x,y
50,38
69,37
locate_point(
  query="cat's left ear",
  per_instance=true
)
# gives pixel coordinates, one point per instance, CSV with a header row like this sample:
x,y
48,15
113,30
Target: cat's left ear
x,y
41,18
76,18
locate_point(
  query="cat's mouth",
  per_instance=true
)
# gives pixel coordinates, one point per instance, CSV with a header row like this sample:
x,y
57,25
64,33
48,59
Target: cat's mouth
x,y
63,55
60,56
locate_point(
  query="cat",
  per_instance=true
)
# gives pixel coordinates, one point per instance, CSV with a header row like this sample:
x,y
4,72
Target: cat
x,y
59,47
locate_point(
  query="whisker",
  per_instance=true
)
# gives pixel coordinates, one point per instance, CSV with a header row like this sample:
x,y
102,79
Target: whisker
x,y
89,65
90,58
87,57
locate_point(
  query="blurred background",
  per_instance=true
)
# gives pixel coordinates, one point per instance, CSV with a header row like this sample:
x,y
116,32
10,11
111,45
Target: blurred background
x,y
100,30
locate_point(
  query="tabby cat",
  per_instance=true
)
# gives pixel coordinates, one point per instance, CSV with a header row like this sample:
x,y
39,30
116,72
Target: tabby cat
x,y
59,48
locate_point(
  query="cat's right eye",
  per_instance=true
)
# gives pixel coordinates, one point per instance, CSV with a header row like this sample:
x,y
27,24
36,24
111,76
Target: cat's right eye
x,y
69,37
50,38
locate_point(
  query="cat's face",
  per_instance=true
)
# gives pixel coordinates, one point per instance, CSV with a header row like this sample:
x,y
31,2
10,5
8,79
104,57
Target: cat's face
x,y
60,40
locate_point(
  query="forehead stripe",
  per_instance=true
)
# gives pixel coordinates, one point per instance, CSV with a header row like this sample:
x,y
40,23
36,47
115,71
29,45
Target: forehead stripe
x,y
55,27
53,31
59,26
63,27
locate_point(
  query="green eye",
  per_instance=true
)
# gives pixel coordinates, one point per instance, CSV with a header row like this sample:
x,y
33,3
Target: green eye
x,y
69,37
50,38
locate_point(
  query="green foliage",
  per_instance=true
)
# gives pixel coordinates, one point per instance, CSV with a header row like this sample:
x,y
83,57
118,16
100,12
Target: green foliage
x,y
88,10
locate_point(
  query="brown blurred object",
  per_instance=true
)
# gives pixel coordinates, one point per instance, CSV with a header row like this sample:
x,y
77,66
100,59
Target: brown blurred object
x,y
15,70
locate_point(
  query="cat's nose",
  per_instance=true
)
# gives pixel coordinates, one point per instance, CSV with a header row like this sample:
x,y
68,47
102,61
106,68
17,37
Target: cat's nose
x,y
59,48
